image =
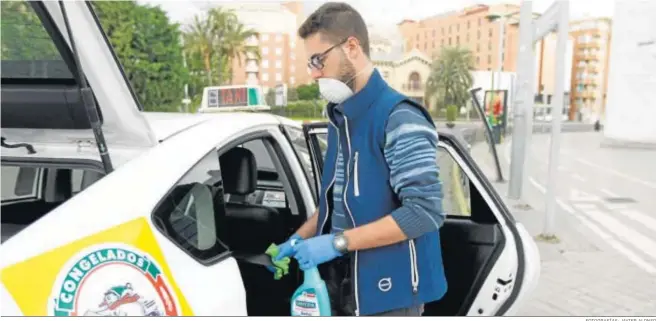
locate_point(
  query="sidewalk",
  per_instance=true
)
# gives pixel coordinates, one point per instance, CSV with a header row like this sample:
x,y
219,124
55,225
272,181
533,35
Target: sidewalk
x,y
581,275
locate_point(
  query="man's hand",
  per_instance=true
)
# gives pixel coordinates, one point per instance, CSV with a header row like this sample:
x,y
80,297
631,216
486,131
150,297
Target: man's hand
x,y
286,249
316,250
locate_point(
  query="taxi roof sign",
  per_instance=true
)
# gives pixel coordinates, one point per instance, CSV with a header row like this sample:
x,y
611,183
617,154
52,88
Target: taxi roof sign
x,y
232,98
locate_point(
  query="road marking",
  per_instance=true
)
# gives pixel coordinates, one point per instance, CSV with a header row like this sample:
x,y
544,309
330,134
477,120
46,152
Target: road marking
x,y
581,196
639,217
617,173
639,241
565,206
609,193
537,185
617,245
578,177
544,191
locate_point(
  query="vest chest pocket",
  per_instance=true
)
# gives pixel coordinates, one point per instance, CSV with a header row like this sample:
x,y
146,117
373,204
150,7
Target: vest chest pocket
x,y
356,180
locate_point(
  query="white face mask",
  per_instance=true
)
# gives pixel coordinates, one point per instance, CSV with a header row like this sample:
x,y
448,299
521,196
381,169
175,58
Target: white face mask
x,y
334,90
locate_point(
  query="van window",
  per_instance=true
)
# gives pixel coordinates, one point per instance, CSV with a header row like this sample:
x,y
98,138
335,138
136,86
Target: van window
x,y
28,51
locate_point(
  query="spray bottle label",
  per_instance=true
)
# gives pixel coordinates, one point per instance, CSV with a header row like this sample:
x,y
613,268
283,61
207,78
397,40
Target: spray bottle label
x,y
306,304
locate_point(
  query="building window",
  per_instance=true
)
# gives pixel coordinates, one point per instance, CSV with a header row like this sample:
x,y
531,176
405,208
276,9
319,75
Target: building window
x,y
449,41
278,76
433,44
265,63
478,60
292,44
417,37
442,31
478,47
480,21
433,33
278,51
467,37
265,37
265,77
414,81
478,34
457,40
489,59
458,27
468,24
265,50
278,64
449,29
293,56
489,45
425,46
489,33
292,69
442,43
278,38
292,80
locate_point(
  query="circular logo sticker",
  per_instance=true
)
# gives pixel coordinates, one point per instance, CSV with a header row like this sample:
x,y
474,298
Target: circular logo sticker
x,y
112,280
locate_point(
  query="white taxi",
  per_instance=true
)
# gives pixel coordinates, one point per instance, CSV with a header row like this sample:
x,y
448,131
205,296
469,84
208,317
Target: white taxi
x,y
168,214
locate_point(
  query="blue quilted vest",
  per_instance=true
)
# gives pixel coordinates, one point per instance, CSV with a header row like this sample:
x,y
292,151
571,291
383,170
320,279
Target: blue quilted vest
x,y
400,275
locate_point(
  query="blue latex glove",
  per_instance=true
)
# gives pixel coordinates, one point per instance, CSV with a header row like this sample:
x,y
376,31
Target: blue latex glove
x,y
285,250
315,251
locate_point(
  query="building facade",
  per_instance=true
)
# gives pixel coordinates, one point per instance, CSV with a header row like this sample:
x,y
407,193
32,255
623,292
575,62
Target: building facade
x,y
282,55
473,28
589,74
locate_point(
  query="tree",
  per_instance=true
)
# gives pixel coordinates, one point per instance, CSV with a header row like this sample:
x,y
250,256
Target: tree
x,y
211,43
450,77
148,46
308,92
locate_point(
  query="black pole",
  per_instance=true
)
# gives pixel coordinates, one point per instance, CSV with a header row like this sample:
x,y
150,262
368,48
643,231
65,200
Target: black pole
x,y
488,130
88,99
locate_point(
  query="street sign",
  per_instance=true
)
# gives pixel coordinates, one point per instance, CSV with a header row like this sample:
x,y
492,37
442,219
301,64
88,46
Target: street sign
x,y
281,95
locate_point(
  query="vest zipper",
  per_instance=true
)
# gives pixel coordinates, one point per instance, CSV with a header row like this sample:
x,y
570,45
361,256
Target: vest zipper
x,y
356,183
414,271
348,176
325,219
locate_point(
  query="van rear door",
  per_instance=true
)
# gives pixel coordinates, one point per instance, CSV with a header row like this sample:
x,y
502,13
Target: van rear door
x,y
41,102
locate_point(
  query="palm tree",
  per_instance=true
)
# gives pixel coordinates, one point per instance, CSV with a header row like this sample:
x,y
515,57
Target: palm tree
x,y
235,45
199,41
232,36
450,78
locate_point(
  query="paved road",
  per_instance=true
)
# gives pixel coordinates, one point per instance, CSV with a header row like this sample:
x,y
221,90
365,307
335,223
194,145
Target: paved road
x,y
605,263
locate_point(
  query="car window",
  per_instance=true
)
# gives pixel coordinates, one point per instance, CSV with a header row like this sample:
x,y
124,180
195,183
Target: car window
x,y
188,214
27,50
456,199
19,183
299,144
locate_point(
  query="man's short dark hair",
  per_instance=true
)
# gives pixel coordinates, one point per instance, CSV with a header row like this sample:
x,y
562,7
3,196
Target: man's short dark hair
x,y
336,21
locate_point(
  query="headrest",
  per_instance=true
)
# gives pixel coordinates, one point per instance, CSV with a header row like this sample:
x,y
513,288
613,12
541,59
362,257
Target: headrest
x,y
239,171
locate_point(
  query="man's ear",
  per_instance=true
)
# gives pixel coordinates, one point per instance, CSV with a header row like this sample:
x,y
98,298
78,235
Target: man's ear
x,y
354,49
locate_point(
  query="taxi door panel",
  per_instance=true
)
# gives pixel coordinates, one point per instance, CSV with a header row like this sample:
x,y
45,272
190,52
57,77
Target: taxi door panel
x,y
189,226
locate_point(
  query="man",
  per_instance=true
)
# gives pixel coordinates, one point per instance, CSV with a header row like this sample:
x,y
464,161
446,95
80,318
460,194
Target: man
x,y
380,187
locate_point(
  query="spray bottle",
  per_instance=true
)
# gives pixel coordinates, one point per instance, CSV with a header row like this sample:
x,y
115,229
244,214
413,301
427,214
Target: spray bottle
x,y
311,298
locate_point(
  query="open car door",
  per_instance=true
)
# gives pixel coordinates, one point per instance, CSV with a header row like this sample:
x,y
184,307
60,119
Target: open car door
x,y
490,260
54,92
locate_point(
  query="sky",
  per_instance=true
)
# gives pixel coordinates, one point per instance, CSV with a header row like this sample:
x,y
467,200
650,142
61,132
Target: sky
x,y
388,13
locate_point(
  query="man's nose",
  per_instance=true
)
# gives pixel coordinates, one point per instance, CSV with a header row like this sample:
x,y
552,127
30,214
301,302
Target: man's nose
x,y
315,73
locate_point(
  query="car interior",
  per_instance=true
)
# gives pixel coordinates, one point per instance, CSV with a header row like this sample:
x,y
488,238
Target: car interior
x,y
471,241
252,203
30,192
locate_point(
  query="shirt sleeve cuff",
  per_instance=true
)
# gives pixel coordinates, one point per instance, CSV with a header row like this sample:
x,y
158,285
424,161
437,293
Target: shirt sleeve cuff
x,y
409,223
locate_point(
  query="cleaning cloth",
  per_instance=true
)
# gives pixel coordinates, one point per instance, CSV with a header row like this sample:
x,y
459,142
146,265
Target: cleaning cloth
x,y
280,267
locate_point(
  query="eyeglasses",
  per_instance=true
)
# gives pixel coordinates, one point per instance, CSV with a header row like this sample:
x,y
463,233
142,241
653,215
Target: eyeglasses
x,y
316,60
